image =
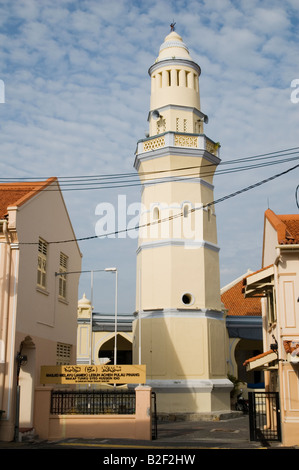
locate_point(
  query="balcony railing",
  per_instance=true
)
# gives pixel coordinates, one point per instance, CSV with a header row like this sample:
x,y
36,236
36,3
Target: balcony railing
x,y
175,139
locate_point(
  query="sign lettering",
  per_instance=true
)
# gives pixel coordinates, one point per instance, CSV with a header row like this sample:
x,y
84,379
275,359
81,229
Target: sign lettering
x,y
88,374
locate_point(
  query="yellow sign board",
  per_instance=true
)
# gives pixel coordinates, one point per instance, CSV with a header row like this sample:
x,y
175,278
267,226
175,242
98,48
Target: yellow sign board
x,y
92,374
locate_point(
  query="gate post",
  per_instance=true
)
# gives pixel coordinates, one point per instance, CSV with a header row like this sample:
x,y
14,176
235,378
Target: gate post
x,y
251,415
42,406
143,412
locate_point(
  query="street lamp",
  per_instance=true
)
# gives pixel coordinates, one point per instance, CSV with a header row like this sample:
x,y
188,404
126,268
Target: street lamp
x,y
114,270
91,301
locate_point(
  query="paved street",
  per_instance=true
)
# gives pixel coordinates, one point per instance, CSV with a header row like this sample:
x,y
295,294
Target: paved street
x,y
177,435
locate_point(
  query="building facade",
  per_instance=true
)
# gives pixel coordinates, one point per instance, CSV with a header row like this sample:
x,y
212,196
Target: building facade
x,y
98,333
245,333
38,299
179,332
277,285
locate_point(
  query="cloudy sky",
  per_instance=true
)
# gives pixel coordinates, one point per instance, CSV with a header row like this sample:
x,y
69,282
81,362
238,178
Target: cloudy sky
x,y
77,96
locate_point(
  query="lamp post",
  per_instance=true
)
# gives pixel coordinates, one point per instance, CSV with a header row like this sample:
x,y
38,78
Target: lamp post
x,y
90,326
91,300
114,270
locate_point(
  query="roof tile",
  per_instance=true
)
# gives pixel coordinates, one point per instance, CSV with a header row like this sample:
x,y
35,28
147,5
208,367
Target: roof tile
x,y
286,226
16,194
236,304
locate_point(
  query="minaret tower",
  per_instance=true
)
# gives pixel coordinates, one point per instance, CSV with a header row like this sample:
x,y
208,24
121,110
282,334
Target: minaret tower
x,y
179,332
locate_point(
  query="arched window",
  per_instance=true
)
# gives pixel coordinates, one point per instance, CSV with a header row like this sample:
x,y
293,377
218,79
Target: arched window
x,y
124,351
156,213
186,210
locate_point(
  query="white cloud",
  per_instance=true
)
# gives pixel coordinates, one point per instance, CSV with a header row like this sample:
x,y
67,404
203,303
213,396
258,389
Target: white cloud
x,y
78,91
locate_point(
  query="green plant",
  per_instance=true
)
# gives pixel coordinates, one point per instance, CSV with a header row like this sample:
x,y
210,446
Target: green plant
x,y
236,382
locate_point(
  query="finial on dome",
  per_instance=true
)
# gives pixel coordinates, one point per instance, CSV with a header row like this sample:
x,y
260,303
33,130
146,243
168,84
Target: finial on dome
x,y
172,26
84,300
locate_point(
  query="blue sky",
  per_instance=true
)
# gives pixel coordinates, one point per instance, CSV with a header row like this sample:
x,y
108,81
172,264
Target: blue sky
x,y
77,96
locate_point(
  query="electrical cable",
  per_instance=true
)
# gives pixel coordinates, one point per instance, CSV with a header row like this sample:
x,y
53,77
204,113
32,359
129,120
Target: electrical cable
x,y
123,183
118,180
224,198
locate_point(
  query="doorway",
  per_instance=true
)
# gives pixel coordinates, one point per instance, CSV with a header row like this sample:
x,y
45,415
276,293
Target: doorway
x,y
26,383
124,350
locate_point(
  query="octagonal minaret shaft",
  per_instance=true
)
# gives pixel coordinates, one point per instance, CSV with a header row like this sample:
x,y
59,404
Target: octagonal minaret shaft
x,y
178,286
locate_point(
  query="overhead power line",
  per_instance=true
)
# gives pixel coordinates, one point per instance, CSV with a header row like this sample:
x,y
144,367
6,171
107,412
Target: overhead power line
x,y
217,201
122,180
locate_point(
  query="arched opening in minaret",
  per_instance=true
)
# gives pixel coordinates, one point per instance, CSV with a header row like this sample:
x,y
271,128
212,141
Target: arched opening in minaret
x,y
156,213
186,210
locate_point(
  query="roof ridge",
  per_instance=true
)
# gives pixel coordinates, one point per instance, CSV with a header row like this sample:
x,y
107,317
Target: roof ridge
x,y
34,187
276,223
285,226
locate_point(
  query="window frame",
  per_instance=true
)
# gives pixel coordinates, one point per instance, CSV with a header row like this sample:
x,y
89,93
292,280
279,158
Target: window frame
x,y
42,263
63,354
62,279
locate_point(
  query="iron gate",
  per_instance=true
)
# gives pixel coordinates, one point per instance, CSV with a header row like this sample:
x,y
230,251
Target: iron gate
x,y
154,416
264,416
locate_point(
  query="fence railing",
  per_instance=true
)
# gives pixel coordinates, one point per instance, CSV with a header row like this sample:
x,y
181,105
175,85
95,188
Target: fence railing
x,y
92,402
264,416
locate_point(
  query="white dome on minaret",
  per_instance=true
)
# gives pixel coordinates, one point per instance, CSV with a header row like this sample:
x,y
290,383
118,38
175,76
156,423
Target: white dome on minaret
x,y
84,302
173,47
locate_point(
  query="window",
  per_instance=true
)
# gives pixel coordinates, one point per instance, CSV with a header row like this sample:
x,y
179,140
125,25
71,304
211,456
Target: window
x,y
161,126
63,354
63,262
271,306
42,263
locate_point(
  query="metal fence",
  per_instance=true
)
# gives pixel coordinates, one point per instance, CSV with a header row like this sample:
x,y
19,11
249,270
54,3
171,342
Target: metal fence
x,y
154,416
264,416
92,402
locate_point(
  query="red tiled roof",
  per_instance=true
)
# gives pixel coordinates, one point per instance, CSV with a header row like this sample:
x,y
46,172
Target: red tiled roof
x,y
259,356
16,194
236,304
286,226
291,347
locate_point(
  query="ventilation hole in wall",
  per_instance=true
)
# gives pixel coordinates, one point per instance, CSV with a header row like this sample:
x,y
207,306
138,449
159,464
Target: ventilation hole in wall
x,y
187,298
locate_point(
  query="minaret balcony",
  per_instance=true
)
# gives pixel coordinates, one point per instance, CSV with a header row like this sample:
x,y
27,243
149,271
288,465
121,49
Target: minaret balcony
x,y
177,139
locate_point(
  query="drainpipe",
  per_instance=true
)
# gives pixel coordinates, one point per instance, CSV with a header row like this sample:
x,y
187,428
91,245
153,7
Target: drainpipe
x,y
276,262
6,308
